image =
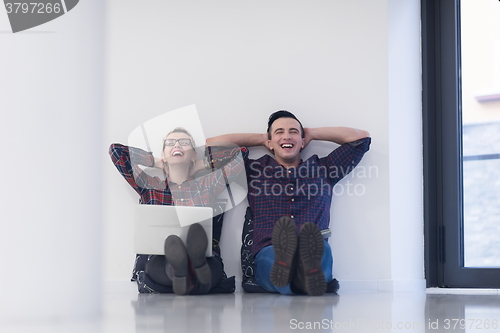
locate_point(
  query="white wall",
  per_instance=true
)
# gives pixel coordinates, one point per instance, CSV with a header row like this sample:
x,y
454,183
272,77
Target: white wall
x,y
51,126
405,146
332,63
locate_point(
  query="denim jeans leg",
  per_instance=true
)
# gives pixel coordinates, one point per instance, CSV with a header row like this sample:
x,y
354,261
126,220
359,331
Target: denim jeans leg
x,y
265,260
263,263
327,262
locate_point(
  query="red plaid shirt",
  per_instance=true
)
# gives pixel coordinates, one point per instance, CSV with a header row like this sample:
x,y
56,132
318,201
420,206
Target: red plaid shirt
x,y
154,190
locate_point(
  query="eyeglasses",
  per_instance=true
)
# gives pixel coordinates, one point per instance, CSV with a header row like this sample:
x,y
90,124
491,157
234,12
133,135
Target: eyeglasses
x,y
172,142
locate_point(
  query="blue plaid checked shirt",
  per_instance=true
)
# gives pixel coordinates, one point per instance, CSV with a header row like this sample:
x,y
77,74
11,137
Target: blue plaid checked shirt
x,y
303,193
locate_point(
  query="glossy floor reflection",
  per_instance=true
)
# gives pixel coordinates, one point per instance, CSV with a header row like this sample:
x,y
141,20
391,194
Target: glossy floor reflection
x,y
124,310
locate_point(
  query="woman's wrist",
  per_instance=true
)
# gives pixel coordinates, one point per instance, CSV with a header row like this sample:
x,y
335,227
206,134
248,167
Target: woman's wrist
x,y
158,163
207,164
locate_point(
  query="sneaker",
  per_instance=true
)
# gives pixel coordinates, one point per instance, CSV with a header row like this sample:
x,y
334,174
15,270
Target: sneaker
x,y
310,276
177,257
284,240
196,243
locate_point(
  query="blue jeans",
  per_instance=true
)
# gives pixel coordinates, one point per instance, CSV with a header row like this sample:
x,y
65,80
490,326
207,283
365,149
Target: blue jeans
x,y
265,260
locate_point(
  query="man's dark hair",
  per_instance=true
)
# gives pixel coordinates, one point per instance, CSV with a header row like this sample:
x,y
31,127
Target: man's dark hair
x,y
282,114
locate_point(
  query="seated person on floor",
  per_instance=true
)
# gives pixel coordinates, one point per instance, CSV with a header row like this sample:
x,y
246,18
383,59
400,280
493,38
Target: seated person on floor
x,y
290,201
183,269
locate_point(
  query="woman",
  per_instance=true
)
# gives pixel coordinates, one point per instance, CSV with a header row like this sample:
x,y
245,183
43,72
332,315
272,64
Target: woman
x,y
184,268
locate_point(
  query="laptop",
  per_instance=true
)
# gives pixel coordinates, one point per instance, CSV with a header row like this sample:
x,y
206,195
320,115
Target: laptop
x,y
154,223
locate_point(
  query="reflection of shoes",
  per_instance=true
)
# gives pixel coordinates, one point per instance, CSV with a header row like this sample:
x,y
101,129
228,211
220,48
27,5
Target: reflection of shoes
x,y
284,241
310,277
196,243
176,255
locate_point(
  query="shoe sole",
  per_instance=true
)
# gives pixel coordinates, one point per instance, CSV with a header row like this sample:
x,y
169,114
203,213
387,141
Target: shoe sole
x,y
196,243
311,249
177,257
284,240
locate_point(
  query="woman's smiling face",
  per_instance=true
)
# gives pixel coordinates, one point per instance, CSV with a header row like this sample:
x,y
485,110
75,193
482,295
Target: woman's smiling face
x,y
178,149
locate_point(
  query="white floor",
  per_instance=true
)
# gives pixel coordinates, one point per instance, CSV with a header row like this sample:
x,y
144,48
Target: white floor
x,y
124,311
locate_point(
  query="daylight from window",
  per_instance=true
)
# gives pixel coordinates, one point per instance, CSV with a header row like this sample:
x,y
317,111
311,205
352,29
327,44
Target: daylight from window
x,y
480,51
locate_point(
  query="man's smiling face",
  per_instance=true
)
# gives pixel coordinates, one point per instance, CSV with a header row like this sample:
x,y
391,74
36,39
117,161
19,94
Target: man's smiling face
x,y
286,140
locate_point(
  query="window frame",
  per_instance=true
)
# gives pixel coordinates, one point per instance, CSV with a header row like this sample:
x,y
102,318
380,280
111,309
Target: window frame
x,y
442,152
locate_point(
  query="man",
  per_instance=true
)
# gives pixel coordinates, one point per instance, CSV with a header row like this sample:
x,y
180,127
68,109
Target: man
x,y
290,200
